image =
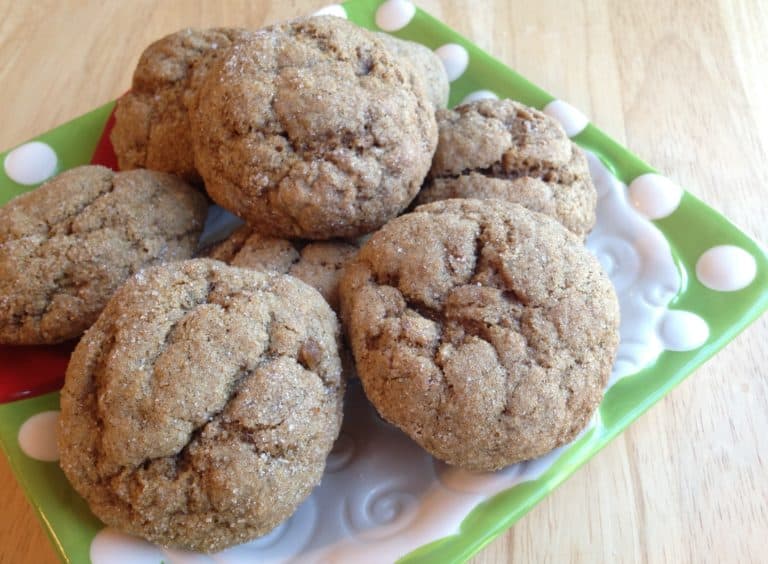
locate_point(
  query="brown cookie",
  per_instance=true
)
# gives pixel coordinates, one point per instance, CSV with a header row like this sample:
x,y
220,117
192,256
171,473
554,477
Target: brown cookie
x,y
503,149
318,264
199,410
151,121
68,245
427,66
312,129
483,330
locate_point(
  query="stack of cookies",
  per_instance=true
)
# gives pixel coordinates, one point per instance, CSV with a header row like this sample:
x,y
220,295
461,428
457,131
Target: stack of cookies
x,y
203,399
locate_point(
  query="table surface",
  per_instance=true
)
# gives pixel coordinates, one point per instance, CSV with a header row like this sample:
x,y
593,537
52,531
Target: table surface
x,y
682,83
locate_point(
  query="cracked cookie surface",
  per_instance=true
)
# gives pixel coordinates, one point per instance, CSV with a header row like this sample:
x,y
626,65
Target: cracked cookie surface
x,y
483,330
152,128
313,129
66,246
506,150
199,410
318,264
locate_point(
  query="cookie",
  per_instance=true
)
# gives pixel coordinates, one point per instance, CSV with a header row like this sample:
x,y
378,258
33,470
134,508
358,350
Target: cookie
x,y
68,245
427,66
152,127
483,330
318,264
312,129
199,409
503,149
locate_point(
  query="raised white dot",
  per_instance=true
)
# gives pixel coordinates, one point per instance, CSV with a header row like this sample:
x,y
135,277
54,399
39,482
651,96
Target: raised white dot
x,y
37,436
332,10
479,95
726,268
572,120
31,163
109,546
654,196
394,14
683,331
455,59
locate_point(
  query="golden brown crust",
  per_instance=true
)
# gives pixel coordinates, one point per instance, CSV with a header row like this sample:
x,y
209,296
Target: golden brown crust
x,y
200,408
506,150
312,129
68,245
483,330
152,127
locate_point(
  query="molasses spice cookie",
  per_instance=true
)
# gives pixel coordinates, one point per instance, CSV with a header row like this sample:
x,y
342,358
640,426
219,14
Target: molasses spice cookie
x,y
504,149
318,264
199,410
484,330
66,246
151,121
313,129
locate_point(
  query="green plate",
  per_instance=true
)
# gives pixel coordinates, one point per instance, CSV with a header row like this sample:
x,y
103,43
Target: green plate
x,y
720,286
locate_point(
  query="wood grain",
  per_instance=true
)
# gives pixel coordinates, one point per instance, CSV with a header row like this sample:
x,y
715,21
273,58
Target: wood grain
x,y
682,83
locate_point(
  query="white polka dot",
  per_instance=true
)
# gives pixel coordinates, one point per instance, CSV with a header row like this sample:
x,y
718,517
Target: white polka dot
x,y
395,14
683,331
654,196
31,163
479,95
109,546
37,436
572,120
332,10
455,59
726,268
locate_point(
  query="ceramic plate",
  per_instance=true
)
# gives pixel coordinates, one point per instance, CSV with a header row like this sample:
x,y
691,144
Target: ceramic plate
x,y
688,282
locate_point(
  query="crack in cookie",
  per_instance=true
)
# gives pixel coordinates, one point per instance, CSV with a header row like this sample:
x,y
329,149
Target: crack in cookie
x,y
503,149
483,330
317,263
66,247
312,129
199,410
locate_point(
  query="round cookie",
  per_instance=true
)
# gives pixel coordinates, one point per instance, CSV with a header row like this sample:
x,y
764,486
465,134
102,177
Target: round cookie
x,y
66,246
483,330
503,149
152,127
312,129
318,264
199,409
427,66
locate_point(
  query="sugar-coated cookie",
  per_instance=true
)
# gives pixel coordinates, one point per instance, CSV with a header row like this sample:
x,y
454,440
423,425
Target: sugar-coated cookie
x,y
199,410
313,129
66,246
504,149
151,121
318,263
483,330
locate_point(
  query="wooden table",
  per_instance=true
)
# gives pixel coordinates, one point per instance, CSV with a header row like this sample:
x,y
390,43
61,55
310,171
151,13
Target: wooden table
x,y
682,83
